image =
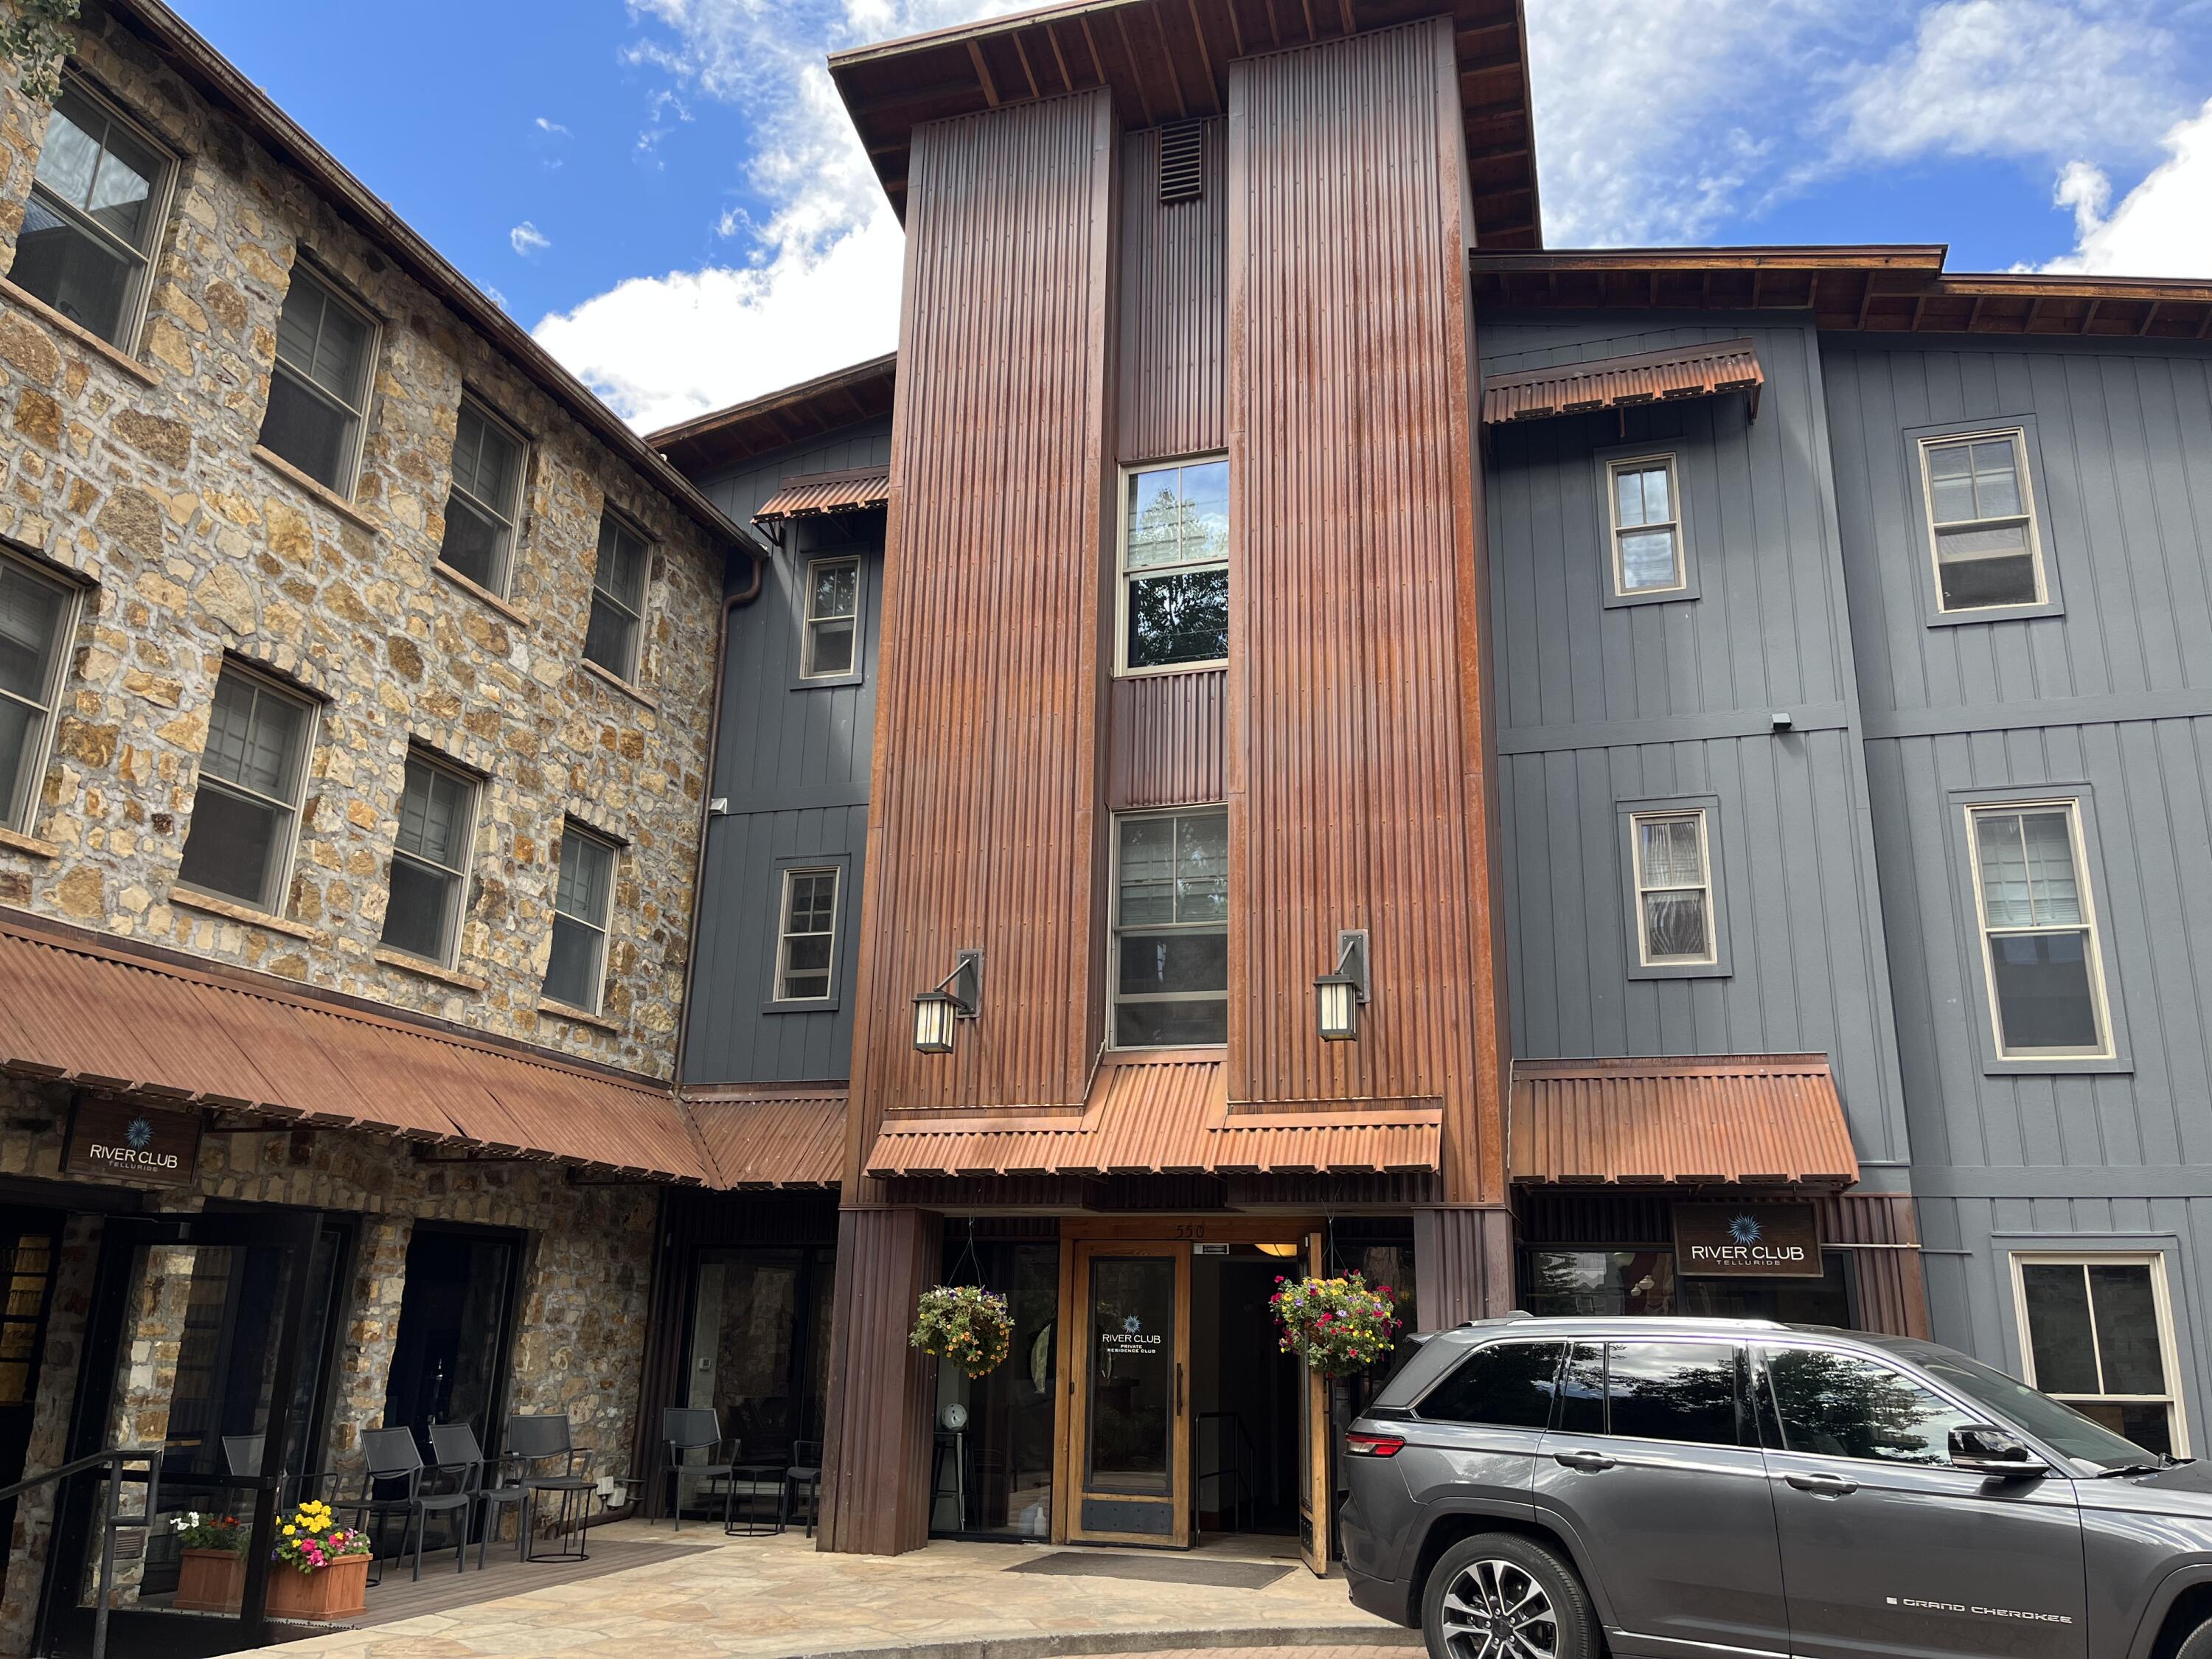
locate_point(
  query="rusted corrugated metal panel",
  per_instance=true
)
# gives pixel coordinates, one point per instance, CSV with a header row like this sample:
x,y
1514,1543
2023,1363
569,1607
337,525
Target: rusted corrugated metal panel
x,y
1466,1259
985,789
1356,793
1752,1119
100,1017
1696,370
1165,1117
1170,398
807,495
776,1140
875,1491
1167,739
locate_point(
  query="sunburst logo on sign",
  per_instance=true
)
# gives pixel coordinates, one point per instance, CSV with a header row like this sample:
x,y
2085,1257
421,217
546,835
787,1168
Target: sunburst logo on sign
x,y
1744,1229
140,1134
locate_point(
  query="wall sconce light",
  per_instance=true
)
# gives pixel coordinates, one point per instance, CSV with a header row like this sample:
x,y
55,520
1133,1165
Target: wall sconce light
x,y
1342,992
936,1009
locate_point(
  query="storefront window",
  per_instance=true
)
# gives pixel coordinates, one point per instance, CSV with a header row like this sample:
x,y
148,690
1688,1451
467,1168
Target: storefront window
x,y
1600,1283
760,1344
992,1466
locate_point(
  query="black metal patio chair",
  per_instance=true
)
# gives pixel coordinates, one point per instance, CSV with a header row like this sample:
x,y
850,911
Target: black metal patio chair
x,y
394,1461
687,1432
454,1449
550,1463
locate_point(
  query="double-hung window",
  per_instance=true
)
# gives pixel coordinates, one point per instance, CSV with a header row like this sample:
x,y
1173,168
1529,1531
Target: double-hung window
x,y
246,812
318,388
1674,888
1647,526
35,613
480,511
617,598
806,940
1172,928
2040,934
2099,1335
1174,566
1981,521
576,973
94,212
833,619
429,860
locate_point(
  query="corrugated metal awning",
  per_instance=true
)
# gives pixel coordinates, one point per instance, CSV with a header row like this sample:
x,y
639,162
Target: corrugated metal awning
x,y
1699,371
1746,1119
75,1011
773,1141
806,495
1162,1117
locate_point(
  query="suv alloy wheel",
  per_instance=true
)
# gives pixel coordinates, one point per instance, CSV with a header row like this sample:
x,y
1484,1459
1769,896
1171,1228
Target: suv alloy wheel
x,y
1499,1595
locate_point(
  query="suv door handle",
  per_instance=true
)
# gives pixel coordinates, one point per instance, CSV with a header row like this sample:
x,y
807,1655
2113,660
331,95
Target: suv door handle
x,y
1827,1486
1584,1460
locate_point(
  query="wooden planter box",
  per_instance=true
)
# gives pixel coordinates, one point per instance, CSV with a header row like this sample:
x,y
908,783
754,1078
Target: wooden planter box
x,y
337,1591
210,1581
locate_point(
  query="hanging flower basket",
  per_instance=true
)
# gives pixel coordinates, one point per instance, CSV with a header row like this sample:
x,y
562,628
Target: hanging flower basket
x,y
966,1324
1337,1325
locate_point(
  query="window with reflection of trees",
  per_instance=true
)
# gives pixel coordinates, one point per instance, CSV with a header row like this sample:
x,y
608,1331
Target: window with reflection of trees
x,y
1839,1404
1175,562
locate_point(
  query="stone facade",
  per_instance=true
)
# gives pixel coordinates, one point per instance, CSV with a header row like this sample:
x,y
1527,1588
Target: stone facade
x,y
137,470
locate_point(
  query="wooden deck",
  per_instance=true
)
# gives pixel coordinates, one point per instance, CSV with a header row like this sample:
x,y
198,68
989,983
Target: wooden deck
x,y
441,1589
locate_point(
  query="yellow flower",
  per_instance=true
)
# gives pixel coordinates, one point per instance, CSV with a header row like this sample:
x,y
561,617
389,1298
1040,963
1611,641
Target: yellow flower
x,y
290,1531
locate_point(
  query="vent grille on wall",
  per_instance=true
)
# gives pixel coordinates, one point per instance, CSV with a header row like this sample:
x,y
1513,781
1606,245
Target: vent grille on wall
x,y
1183,161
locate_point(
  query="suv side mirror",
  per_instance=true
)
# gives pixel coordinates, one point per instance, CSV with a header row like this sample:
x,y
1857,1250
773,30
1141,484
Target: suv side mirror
x,y
1984,1449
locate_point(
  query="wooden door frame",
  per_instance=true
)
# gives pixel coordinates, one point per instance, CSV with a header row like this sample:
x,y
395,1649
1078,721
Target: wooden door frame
x,y
1078,1397
1314,1501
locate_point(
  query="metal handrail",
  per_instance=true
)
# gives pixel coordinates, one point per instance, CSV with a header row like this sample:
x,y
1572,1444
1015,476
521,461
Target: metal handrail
x,y
113,1520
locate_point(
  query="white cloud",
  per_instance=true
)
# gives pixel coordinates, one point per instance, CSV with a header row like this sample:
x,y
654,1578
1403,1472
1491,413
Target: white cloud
x,y
2162,227
2015,78
525,239
545,125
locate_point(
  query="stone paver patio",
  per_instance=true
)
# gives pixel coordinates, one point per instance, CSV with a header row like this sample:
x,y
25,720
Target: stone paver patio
x,y
776,1598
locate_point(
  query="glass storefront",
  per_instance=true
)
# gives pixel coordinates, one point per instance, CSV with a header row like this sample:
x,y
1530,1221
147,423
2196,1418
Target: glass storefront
x,y
991,1469
759,1348
1643,1280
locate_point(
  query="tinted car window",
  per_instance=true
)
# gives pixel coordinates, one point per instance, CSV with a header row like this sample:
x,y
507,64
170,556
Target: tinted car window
x,y
1672,1391
1508,1384
1843,1406
1581,1390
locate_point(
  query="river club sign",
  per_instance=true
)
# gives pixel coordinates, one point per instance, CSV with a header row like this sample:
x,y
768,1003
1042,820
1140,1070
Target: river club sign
x,y
146,1146
1746,1241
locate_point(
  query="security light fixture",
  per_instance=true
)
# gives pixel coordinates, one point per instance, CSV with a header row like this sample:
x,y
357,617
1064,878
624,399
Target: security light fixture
x,y
1342,992
936,1009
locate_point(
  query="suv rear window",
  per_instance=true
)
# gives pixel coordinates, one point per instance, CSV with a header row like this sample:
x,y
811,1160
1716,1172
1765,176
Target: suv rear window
x,y
1506,1385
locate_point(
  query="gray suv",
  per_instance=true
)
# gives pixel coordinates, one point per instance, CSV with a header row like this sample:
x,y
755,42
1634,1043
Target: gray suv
x,y
1541,1488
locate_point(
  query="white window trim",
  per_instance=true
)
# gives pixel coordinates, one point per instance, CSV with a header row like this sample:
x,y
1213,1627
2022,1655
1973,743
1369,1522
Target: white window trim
x,y
273,903
450,952
2018,436
1638,887
1613,469
630,672
41,755
806,669
130,321
511,514
2077,847
599,929
372,352
2177,1419
1115,996
784,935
1123,575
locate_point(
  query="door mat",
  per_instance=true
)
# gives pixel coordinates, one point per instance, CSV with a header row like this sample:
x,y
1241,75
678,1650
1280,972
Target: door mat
x,y
1156,1569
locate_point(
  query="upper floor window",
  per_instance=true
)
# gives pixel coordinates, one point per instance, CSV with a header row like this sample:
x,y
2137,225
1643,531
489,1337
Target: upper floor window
x,y
1174,566
318,388
617,622
2098,1335
1172,928
480,512
2039,935
245,813
94,210
1674,888
35,613
429,860
831,648
1647,526
806,941
576,973
1981,521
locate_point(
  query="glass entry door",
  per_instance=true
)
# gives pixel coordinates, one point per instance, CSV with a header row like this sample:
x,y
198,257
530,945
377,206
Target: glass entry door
x,y
200,1329
1132,1423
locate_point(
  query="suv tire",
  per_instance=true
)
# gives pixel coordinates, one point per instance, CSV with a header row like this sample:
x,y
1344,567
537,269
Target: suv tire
x,y
1500,1596
2197,1644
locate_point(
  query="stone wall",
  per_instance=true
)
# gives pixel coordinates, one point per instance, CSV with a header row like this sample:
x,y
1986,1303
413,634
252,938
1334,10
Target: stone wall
x,y
137,469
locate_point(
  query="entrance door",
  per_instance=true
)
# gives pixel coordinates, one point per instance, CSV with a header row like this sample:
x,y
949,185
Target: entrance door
x,y
1316,1499
200,1327
449,1356
1131,1419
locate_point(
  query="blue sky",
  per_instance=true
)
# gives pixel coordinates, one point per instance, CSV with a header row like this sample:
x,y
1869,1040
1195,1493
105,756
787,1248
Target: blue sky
x,y
667,193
